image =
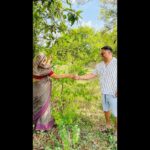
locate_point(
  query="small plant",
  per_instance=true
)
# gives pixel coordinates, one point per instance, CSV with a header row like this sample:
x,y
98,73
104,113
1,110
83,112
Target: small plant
x,y
69,136
65,136
75,135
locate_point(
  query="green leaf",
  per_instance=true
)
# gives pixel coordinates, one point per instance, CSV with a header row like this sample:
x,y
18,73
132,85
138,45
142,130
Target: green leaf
x,y
79,12
64,16
68,2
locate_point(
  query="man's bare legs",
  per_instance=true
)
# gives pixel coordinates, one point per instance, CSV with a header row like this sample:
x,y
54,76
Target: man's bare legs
x,y
108,124
107,117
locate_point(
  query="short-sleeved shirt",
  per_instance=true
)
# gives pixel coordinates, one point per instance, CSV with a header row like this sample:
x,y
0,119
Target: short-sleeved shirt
x,y
107,76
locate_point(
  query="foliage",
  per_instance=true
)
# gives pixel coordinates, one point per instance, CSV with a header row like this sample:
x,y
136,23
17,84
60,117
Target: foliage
x,y
108,13
50,18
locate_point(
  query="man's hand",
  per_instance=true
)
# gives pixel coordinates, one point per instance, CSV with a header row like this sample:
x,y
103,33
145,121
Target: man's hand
x,y
76,77
71,76
85,77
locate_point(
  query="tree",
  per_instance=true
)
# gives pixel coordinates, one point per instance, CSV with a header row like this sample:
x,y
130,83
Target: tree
x,y
109,16
79,47
108,13
50,18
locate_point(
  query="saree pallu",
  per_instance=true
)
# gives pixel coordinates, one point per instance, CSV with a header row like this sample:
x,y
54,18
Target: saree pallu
x,y
42,118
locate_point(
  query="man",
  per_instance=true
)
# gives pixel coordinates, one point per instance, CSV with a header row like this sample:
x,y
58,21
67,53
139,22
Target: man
x,y
107,73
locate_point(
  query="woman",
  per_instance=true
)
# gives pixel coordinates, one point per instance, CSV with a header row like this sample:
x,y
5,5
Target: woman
x,y
42,118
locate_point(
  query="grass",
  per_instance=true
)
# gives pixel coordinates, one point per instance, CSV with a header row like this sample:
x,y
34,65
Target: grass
x,y
90,119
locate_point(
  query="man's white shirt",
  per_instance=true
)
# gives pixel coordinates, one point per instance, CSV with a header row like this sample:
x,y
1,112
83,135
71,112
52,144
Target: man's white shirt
x,y
107,76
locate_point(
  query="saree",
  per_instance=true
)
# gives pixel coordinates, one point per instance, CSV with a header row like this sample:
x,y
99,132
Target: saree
x,y
42,118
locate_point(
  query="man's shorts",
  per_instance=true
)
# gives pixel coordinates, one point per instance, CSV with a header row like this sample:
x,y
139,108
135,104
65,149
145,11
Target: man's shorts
x,y
109,103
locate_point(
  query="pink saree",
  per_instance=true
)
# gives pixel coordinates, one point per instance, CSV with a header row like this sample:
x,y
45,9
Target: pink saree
x,y
42,118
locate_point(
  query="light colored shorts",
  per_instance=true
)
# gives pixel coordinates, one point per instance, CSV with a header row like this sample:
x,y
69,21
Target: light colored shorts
x,y
109,103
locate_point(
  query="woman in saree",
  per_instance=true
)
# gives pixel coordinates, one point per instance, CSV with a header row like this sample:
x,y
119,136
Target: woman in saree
x,y
42,73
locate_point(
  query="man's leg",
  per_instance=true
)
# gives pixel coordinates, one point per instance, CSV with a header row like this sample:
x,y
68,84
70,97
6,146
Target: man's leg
x,y
113,105
106,108
107,117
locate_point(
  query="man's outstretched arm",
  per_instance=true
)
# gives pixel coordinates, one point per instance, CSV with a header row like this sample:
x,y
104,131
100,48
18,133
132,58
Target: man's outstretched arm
x,y
85,77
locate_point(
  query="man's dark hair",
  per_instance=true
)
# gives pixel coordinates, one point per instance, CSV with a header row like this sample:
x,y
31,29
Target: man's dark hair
x,y
107,48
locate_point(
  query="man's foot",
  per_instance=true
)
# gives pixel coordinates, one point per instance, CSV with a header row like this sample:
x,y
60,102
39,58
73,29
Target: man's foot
x,y
108,126
106,129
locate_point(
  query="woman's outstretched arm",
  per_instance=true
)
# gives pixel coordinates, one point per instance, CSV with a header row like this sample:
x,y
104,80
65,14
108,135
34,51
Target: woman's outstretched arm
x,y
56,76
